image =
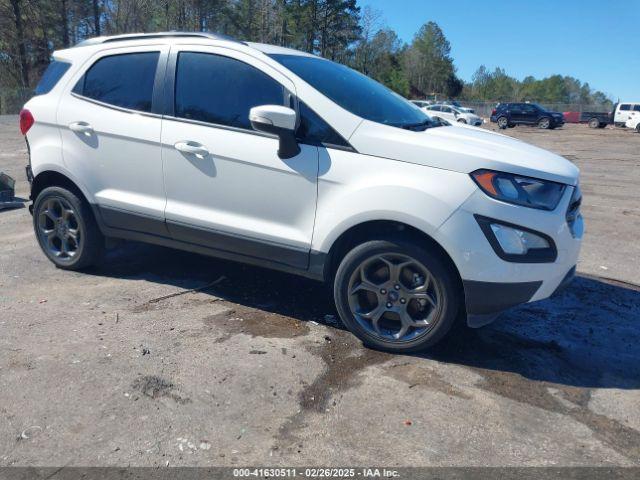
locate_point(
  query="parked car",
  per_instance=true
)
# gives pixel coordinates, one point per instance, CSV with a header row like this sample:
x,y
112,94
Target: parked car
x,y
634,121
511,114
458,106
622,111
421,103
274,157
595,119
452,114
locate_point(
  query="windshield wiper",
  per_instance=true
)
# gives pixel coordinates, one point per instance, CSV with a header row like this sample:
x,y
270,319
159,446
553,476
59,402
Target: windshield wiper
x,y
417,126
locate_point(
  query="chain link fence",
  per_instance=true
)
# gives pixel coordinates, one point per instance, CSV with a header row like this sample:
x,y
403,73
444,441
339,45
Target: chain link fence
x,y
484,109
12,99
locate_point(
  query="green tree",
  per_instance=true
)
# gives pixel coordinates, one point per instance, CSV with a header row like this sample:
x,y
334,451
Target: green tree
x,y
428,63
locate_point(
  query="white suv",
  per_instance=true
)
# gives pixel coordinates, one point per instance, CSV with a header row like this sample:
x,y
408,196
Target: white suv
x,y
279,158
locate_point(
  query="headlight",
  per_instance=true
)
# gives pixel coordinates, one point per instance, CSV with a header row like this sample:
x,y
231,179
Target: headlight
x,y
526,191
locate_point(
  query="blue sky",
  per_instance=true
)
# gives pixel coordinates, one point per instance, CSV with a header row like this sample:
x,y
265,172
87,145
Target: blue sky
x,y
596,41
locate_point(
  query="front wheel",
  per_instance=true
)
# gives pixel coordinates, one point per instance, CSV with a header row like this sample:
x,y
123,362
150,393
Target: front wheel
x,y
638,128
395,296
544,123
66,230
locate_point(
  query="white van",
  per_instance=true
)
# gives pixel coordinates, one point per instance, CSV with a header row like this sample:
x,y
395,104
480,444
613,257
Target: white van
x,y
623,111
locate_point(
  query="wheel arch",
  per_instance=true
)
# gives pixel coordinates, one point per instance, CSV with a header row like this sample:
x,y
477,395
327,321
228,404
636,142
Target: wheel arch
x,y
50,177
384,229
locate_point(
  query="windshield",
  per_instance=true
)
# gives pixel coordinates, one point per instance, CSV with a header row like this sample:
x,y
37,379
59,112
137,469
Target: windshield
x,y
355,92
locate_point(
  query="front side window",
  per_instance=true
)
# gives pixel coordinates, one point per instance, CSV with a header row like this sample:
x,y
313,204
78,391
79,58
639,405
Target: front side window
x,y
625,107
355,92
636,108
221,90
123,80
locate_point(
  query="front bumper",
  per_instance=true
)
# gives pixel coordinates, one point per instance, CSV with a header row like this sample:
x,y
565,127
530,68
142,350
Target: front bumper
x,y
492,284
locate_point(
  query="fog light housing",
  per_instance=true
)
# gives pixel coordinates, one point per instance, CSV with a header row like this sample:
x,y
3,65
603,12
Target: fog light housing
x,y
514,243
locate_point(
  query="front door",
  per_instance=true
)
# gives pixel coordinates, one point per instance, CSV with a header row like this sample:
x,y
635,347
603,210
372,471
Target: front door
x,y
226,187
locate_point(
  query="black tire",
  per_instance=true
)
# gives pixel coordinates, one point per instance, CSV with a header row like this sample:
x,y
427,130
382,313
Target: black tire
x,y
638,128
594,123
443,313
503,122
544,123
74,219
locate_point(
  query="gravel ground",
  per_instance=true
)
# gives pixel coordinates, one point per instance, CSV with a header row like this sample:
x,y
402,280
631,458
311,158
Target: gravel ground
x,y
161,357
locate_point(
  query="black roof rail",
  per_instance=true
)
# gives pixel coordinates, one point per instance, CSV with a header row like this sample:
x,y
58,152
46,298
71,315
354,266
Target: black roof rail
x,y
143,36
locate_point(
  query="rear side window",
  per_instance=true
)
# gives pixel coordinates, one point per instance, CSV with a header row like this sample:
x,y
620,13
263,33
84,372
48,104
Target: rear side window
x,y
636,108
51,76
221,90
625,107
124,80
314,130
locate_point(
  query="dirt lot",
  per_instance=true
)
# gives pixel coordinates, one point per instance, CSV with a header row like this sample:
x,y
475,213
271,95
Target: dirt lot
x,y
123,365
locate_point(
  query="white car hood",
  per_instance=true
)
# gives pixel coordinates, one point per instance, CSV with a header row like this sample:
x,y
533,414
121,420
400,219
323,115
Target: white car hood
x,y
462,150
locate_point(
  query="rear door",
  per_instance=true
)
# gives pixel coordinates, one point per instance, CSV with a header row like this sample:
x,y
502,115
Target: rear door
x,y
111,135
235,194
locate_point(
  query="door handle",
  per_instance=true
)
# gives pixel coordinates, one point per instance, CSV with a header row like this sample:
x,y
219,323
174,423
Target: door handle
x,y
81,127
193,148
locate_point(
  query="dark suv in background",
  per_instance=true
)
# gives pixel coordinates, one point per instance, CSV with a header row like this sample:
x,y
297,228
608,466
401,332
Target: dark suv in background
x,y
512,114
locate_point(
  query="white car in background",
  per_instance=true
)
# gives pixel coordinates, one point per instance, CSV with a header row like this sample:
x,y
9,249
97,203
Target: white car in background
x,y
453,115
633,121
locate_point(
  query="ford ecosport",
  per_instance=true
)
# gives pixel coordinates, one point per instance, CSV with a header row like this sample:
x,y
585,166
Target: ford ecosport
x,y
279,158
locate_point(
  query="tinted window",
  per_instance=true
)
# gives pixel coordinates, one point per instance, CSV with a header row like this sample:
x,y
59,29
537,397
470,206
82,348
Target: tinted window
x,y
221,90
353,91
636,108
315,130
122,80
529,109
436,108
51,76
625,107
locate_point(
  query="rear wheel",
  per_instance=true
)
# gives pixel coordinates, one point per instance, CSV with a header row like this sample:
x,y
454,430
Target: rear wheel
x,y
503,122
544,123
396,296
66,230
638,128
594,123
462,120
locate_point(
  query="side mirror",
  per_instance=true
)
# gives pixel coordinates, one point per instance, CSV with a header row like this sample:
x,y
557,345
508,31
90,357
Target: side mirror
x,y
280,121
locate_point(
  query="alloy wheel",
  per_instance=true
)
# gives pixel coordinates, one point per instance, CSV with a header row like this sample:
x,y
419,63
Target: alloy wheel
x,y
58,228
394,297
